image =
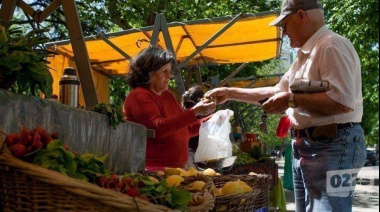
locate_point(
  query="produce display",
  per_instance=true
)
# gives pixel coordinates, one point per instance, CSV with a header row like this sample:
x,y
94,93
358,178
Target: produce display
x,y
254,156
46,150
242,157
174,188
175,176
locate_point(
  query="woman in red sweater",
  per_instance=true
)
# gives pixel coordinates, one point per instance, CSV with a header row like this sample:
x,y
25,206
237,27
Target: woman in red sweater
x,y
151,104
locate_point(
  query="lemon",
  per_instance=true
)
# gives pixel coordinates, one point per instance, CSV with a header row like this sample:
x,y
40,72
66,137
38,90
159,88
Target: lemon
x,y
159,173
183,172
171,171
191,171
209,172
197,185
216,191
174,180
245,186
232,187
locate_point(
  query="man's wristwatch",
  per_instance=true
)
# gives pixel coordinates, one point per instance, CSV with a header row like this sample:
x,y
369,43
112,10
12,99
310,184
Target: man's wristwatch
x,y
291,102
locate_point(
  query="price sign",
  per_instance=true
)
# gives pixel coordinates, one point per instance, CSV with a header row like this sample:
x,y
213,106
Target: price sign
x,y
339,183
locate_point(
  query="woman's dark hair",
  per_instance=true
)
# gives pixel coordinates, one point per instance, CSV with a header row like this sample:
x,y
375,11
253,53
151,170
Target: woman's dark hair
x,y
148,60
192,96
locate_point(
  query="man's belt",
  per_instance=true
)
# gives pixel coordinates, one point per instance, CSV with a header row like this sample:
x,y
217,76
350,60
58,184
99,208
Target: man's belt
x,y
320,132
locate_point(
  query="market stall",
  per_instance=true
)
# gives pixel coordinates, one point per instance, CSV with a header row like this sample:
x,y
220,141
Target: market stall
x,y
195,43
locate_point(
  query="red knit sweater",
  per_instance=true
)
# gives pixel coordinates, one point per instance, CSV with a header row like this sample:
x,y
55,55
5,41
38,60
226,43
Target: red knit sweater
x,y
173,126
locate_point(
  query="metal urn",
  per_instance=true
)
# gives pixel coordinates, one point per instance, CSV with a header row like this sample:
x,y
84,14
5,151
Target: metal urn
x,y
69,87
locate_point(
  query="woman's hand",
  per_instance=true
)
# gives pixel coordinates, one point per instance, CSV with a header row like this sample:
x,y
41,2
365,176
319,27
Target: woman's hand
x,y
204,107
218,95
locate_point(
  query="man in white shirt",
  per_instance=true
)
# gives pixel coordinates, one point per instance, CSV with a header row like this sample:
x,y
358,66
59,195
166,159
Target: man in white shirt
x,y
328,141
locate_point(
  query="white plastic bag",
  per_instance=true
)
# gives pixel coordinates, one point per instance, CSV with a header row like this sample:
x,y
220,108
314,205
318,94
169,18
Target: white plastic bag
x,y
214,137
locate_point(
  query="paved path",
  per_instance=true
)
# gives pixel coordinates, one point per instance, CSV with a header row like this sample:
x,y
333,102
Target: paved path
x,y
367,195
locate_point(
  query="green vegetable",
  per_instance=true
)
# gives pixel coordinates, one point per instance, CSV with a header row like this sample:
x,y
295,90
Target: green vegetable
x,y
242,157
255,152
85,167
115,116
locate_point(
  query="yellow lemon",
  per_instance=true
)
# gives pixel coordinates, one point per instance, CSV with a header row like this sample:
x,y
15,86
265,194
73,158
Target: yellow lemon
x,y
192,171
209,172
171,171
197,185
232,188
216,191
174,180
245,186
159,173
183,172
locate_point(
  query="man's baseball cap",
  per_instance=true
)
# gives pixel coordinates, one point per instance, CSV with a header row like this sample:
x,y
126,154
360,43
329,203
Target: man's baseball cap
x,y
292,6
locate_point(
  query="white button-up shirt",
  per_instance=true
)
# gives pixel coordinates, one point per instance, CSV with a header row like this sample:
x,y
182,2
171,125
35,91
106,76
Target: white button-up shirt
x,y
327,56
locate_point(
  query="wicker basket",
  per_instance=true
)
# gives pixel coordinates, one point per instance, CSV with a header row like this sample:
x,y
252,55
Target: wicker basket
x,y
258,168
201,201
28,187
250,201
199,177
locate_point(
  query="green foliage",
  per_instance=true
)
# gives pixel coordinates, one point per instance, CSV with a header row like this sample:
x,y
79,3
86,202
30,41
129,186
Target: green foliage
x,y
255,152
114,113
118,90
23,56
242,157
170,196
142,13
91,166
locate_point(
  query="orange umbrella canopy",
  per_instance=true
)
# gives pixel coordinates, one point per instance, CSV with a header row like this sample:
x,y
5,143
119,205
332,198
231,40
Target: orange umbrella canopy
x,y
234,39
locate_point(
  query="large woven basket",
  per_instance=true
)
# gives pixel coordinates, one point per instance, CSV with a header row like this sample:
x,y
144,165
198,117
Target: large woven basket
x,y
268,168
251,201
28,187
204,202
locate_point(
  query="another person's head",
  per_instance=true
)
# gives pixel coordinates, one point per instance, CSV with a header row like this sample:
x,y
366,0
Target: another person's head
x,y
299,20
151,69
192,96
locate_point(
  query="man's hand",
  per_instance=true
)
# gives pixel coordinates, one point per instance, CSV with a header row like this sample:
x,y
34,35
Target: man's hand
x,y
277,103
218,95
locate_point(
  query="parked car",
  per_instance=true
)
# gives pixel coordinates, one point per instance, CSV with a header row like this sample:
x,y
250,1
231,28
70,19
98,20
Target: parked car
x,y
371,158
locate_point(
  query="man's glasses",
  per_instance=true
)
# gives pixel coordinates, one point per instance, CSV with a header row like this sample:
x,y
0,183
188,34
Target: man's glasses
x,y
283,23
283,26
